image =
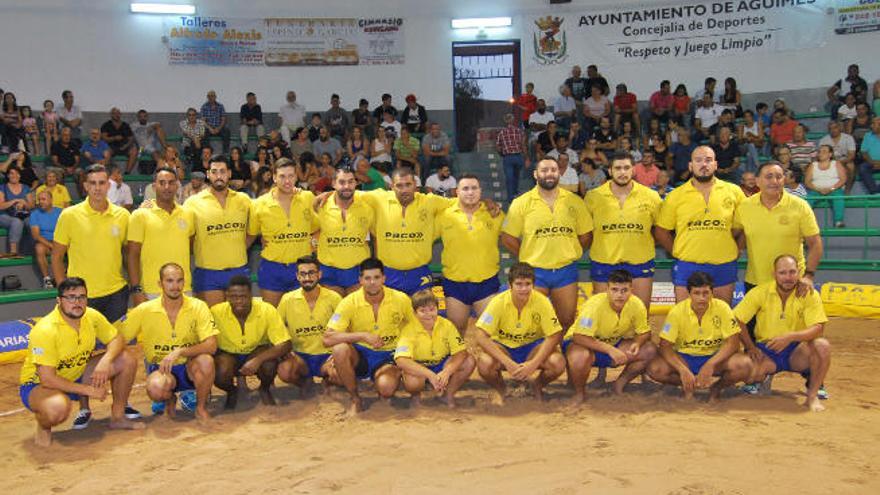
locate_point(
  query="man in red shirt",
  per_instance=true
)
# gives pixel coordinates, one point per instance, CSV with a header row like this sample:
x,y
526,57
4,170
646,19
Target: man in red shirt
x,y
661,103
782,128
511,144
646,171
527,103
625,108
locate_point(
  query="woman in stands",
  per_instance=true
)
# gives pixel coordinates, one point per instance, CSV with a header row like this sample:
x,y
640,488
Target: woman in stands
x,y
826,177
732,98
681,105
240,179
16,202
590,152
357,145
171,159
13,132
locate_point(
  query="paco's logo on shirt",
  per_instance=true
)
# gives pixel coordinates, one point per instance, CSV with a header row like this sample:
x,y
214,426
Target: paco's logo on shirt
x,y
716,321
423,215
221,228
783,220
114,230
181,224
729,203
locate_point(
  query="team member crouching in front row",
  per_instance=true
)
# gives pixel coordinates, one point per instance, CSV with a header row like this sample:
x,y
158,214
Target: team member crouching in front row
x,y
699,340
610,331
431,349
252,337
519,332
58,367
178,336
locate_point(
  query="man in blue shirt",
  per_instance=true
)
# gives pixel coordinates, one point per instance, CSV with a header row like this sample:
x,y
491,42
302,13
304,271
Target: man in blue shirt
x,y
95,150
681,157
214,115
43,221
870,151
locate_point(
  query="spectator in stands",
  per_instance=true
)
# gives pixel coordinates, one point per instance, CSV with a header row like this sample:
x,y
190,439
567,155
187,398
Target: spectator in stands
x,y
442,183
527,104
627,130
31,130
278,152
870,155
673,131
42,223
750,134
794,183
406,150
368,176
779,104
546,141
577,86
70,115
65,156
16,202
213,114
625,146
336,119
301,143
725,121
11,118
847,110
604,135
414,116
861,125
435,148
681,105
844,147
171,159
851,83
540,119
568,175
592,176
194,130
386,107
827,177
731,98
764,116
577,136
596,106
262,182
646,171
389,122
595,80
727,157
293,116
592,152
239,170
561,148
661,103
511,143
327,144
661,151
307,172
662,186
381,149
803,151
149,136
357,144
204,162
59,194
120,138
22,161
251,118
564,107
119,193
708,87
362,119
326,171
626,108
50,124
681,157
749,184
706,116
782,129
95,150
875,104
314,127
783,156
195,186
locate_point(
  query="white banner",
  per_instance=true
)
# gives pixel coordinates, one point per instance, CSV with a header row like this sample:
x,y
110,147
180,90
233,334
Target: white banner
x,y
857,16
677,31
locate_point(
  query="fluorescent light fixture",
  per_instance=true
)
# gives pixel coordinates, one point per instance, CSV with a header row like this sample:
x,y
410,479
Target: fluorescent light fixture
x,y
481,22
163,8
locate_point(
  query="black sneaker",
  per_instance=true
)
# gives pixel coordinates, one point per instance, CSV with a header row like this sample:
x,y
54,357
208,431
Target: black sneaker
x,y
82,419
132,413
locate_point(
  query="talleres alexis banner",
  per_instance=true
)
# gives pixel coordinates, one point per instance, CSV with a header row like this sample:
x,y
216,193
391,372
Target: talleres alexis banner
x,y
284,42
677,30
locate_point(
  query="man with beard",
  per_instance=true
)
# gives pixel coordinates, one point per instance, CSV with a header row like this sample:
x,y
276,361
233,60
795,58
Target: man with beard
x,y
549,228
283,219
178,336
363,334
700,211
221,241
59,368
470,255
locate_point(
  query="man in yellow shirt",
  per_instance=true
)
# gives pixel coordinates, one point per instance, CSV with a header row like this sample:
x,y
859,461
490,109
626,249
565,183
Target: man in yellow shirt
x,y
699,340
156,236
283,220
549,228
788,333
623,213
344,224
59,367
251,340
700,212
611,330
519,333
221,241
60,194
363,333
178,336
470,254
431,350
305,312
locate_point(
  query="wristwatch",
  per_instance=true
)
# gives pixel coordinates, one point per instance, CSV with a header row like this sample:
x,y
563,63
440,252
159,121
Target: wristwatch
x,y
136,289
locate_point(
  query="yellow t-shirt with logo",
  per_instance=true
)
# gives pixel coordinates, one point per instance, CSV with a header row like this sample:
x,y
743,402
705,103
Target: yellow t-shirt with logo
x,y
512,328
60,194
690,335
262,326
623,234
149,323
470,246
306,325
52,342
221,232
94,243
429,349
285,238
702,231
164,238
598,319
355,314
773,232
342,242
549,237
774,319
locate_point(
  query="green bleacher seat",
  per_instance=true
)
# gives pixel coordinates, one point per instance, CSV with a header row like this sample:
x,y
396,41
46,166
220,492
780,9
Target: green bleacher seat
x,y
27,295
851,232
23,261
813,115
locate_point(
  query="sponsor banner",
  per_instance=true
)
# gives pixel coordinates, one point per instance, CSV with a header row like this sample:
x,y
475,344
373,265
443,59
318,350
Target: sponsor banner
x,y
214,41
857,300
14,339
857,16
676,31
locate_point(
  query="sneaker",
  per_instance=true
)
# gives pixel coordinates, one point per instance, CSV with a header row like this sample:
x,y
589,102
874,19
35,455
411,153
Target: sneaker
x,y
132,413
82,419
48,283
750,388
187,400
822,394
839,225
158,408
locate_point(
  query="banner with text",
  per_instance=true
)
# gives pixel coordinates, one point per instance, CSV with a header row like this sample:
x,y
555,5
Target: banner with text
x,y
678,31
857,16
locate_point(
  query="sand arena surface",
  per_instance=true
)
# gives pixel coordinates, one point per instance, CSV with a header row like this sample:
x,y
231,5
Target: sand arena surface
x,y
648,441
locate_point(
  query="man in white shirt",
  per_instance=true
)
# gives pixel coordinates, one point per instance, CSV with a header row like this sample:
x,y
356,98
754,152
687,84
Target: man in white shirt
x,y
150,136
564,107
539,119
293,116
706,116
119,193
442,183
563,149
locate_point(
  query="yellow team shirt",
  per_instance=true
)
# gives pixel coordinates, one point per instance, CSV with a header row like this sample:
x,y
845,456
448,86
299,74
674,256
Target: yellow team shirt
x,y
164,238
285,238
702,231
306,325
220,241
262,326
513,328
622,234
429,349
404,238
342,241
690,335
774,319
52,342
60,194
149,323
470,246
355,314
94,245
549,237
598,319
770,233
